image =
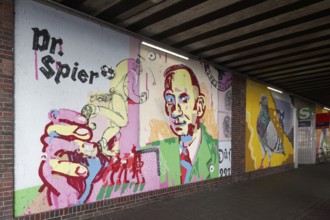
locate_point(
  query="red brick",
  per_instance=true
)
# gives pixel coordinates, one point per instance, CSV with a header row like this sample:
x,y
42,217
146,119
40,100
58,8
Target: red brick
x,y
8,114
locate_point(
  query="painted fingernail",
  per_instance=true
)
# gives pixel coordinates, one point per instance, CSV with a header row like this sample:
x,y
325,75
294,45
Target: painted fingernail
x,y
82,131
81,171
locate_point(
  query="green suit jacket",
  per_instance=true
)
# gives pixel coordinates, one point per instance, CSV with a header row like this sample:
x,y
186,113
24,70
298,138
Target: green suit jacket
x,y
206,164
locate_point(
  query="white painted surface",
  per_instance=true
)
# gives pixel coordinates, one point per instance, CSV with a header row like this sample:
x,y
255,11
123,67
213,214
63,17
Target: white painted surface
x,y
87,43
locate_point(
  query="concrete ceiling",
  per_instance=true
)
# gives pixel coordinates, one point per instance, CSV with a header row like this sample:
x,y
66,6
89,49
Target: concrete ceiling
x,y
282,43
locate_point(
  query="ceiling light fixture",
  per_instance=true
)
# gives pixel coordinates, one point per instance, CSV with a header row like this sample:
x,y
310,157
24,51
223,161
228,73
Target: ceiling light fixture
x,y
275,90
164,50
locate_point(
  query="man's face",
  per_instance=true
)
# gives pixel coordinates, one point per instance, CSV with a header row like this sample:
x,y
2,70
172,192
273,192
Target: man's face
x,y
180,103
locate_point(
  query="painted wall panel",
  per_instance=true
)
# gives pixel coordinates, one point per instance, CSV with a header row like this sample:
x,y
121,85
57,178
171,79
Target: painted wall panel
x,y
224,125
98,115
322,146
269,128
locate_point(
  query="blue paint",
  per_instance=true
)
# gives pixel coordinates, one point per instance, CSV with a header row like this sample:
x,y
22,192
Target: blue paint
x,y
93,169
169,98
188,167
55,112
52,134
186,138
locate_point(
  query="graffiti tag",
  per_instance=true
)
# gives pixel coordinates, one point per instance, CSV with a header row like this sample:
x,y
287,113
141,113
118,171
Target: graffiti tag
x,y
41,41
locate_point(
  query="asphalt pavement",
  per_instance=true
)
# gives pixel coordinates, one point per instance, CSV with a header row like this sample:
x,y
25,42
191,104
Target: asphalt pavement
x,y
299,194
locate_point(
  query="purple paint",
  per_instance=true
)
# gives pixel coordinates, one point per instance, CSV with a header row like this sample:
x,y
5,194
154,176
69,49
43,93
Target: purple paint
x,y
225,82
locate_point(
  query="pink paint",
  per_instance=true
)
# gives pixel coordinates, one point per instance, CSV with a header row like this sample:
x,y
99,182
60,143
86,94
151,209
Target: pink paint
x,y
149,171
102,123
36,64
130,132
133,76
67,195
55,201
66,114
58,144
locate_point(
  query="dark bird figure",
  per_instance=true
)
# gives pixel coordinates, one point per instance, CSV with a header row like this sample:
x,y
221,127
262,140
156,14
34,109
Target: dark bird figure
x,y
270,142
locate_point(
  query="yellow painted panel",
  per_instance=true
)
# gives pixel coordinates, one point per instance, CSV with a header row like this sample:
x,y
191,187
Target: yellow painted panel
x,y
253,161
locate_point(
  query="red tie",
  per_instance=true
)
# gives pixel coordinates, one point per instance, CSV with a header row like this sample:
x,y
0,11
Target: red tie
x,y
185,165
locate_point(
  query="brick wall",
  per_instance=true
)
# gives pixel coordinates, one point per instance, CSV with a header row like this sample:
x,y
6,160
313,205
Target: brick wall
x,y
102,207
6,108
238,125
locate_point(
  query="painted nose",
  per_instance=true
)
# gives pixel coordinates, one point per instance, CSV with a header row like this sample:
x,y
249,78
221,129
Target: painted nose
x,y
176,111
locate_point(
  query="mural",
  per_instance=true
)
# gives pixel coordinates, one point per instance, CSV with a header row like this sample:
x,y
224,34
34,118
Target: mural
x,y
103,116
269,128
184,129
322,144
322,147
224,122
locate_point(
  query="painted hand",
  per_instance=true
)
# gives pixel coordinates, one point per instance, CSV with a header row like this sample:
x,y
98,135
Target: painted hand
x,y
71,161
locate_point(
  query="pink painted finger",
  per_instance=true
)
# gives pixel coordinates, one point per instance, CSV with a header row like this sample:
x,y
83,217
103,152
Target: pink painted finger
x,y
66,116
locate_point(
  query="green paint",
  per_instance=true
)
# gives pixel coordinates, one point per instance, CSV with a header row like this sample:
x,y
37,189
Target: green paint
x,y
136,187
207,157
169,162
23,199
206,165
131,184
142,187
117,187
108,192
169,157
123,188
150,145
156,143
101,193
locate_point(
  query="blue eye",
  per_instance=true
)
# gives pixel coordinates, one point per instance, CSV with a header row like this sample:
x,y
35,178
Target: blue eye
x,y
169,99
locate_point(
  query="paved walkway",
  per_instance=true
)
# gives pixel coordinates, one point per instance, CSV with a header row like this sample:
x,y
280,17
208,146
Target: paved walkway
x,y
300,194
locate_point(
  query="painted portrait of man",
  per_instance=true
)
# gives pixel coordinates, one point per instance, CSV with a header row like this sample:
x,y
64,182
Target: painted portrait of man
x,y
185,106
